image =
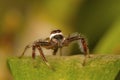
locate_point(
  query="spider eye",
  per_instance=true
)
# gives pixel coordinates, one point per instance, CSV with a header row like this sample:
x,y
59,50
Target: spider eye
x,y
58,37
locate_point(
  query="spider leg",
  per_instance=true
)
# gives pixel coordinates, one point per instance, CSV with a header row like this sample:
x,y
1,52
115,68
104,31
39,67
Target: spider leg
x,y
82,44
47,45
33,52
55,51
60,51
42,55
28,46
84,48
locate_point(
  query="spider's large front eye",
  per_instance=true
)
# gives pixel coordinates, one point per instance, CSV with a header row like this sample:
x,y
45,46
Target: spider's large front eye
x,y
58,37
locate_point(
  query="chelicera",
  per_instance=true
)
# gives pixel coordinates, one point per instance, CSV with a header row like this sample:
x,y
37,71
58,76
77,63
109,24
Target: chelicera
x,y
56,41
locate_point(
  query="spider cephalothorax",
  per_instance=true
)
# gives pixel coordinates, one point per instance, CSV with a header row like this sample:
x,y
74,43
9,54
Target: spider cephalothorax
x,y
57,37
56,41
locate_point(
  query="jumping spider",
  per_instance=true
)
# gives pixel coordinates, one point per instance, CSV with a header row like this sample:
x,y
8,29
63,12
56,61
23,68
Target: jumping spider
x,y
56,41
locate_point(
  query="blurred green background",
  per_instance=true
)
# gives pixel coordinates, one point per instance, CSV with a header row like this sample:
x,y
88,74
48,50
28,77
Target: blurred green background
x,y
23,21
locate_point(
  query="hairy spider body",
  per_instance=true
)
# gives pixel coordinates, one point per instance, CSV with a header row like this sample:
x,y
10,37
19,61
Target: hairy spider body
x,y
57,41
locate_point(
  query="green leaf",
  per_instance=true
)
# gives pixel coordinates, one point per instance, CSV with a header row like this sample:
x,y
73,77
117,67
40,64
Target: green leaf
x,y
99,67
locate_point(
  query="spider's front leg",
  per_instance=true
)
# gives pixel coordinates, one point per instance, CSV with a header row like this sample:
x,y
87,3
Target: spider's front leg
x,y
26,48
82,44
33,50
42,55
37,45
